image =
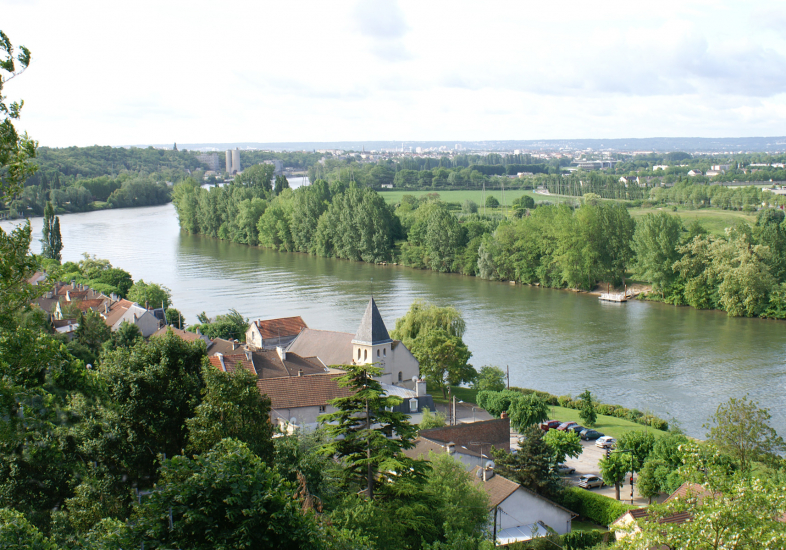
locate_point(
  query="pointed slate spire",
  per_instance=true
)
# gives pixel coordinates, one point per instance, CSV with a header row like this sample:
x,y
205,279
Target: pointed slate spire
x,y
372,329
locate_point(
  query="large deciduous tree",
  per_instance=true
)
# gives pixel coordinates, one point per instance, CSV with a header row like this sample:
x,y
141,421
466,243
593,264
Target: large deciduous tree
x,y
223,499
741,428
434,336
563,444
232,407
655,242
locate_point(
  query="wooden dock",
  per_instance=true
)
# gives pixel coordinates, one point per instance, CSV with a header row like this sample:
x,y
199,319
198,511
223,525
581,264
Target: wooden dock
x,y
614,297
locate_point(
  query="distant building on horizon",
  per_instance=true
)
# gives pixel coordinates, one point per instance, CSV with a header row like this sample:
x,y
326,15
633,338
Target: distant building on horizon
x,y
210,159
233,161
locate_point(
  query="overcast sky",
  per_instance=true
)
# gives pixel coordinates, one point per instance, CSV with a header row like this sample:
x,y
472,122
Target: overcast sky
x,y
135,72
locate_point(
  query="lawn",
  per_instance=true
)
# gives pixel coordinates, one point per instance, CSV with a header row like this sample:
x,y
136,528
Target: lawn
x,y
585,525
393,197
714,220
608,425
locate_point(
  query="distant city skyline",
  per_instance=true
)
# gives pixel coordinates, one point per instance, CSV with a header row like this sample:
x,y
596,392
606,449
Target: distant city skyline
x,y
110,74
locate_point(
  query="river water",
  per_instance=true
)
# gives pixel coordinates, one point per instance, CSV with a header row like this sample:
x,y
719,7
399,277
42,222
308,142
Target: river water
x,y
676,362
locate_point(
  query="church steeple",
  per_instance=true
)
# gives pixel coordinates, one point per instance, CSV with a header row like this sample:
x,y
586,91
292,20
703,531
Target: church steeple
x,y
372,330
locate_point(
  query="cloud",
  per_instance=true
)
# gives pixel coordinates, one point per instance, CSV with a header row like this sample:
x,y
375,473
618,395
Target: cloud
x,y
383,23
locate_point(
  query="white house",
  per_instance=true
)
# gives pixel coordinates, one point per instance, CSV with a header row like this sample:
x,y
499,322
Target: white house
x,y
518,514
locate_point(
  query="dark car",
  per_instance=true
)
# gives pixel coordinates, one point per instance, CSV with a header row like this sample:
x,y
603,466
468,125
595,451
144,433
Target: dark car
x,y
550,425
566,426
589,481
578,429
590,435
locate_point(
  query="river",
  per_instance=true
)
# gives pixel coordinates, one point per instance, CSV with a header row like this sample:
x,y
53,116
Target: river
x,y
676,362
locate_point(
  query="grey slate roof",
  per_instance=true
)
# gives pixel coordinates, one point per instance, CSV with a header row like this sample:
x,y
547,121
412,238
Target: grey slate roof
x,y
372,329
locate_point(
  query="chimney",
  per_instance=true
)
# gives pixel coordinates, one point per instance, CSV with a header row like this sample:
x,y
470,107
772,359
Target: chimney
x,y
282,353
199,332
420,388
234,345
488,471
106,308
147,304
503,415
248,354
300,372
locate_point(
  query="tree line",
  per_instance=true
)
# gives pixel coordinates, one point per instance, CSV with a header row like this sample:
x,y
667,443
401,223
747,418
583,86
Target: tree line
x,y
552,246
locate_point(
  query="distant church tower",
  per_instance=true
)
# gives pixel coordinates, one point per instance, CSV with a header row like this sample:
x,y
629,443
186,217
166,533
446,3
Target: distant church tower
x,y
372,342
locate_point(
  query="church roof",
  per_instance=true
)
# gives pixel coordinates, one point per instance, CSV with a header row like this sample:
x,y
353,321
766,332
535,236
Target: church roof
x,y
372,329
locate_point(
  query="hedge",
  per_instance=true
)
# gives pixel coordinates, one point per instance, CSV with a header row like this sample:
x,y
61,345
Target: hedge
x,y
577,540
598,508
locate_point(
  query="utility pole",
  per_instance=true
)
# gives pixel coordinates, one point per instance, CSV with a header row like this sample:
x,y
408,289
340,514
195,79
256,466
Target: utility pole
x,y
508,369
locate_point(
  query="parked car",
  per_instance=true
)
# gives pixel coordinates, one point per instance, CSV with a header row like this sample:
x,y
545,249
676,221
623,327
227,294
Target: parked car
x,y
590,435
550,425
605,441
578,429
563,469
566,425
589,481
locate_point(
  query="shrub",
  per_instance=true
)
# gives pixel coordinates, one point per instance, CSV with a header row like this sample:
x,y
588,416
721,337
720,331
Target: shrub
x,y
577,540
564,401
598,508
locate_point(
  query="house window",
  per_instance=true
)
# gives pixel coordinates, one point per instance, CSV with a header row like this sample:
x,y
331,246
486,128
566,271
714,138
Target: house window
x,y
365,354
358,354
400,376
385,352
377,353
321,408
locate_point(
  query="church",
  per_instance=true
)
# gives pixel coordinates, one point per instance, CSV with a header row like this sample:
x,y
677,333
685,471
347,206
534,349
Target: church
x,y
370,344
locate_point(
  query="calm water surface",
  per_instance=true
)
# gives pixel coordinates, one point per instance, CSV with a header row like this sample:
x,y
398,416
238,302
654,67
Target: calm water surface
x,y
676,362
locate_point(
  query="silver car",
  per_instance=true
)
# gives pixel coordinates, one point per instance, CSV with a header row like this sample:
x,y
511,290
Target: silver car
x,y
606,441
589,481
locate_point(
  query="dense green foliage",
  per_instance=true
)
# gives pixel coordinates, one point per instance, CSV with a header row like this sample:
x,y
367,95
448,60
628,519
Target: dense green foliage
x,y
229,326
351,223
598,508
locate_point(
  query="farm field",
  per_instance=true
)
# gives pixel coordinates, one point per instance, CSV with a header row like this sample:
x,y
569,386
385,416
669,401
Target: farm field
x,y
393,197
714,220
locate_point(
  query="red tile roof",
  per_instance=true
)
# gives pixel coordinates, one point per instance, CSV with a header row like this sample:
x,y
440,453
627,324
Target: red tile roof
x,y
183,334
302,391
228,363
285,326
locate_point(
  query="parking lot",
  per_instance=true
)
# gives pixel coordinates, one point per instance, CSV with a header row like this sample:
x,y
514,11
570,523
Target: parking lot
x,y
587,463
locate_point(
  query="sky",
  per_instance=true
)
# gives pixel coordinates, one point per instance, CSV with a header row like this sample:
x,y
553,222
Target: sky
x,y
141,72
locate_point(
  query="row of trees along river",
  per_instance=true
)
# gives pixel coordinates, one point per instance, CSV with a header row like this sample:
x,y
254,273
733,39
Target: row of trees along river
x,y
742,273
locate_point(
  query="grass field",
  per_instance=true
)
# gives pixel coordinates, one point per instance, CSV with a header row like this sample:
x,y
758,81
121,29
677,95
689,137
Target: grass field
x,y
393,197
608,425
714,220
